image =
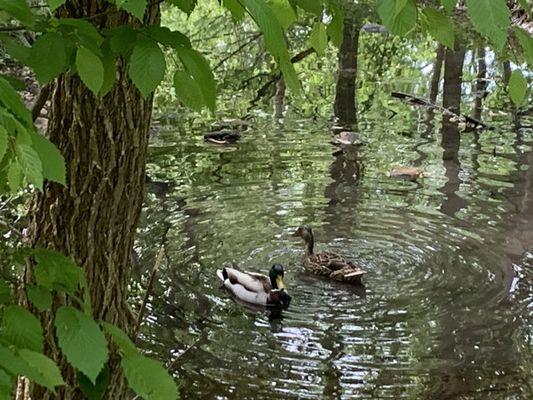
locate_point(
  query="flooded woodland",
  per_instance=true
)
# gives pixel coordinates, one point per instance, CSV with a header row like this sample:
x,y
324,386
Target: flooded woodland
x,y
410,157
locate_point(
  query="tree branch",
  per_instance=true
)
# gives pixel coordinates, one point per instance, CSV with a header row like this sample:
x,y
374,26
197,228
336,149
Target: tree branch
x,y
40,101
242,46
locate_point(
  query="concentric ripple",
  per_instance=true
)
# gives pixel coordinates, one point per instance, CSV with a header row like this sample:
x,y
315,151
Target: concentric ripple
x,y
448,298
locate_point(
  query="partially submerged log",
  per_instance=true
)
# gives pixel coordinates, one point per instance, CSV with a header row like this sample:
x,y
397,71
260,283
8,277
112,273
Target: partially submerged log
x,y
471,122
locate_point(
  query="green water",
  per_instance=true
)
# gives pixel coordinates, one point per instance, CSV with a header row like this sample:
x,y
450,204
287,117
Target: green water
x,y
446,311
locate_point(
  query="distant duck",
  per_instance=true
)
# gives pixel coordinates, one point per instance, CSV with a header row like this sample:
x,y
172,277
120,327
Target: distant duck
x,y
224,136
346,138
254,288
407,173
331,265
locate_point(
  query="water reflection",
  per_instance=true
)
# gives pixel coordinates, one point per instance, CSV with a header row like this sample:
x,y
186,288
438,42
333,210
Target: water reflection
x,y
447,308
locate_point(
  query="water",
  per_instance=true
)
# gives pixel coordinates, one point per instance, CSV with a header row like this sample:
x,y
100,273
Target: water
x,y
446,311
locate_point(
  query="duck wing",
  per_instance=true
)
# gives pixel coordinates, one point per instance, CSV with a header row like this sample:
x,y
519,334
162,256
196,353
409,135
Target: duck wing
x,y
251,281
332,261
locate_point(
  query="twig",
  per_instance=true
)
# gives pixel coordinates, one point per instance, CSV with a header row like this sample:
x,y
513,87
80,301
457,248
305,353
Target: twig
x,y
174,362
242,46
11,227
41,100
149,288
13,28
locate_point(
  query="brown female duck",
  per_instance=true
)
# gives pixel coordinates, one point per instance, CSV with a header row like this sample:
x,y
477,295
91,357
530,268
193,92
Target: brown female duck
x,y
332,265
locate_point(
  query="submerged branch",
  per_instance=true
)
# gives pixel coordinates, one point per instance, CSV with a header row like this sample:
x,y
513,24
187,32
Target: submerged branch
x,y
148,292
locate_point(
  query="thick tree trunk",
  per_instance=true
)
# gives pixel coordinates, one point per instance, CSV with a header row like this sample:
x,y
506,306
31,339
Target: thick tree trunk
x,y
435,78
344,107
453,78
93,219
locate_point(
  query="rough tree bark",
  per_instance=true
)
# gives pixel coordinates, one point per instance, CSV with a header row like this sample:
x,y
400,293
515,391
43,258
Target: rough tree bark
x,y
344,107
93,219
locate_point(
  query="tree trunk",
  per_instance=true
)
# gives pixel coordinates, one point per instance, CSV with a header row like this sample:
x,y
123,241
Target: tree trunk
x,y
453,79
481,82
344,107
93,219
435,79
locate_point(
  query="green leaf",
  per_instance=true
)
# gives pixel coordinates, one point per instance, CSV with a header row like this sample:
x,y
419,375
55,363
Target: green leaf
x,y
187,6
440,27
235,8
196,65
41,370
54,271
149,379
90,69
134,7
167,37
48,57
51,158
336,25
15,82
449,5
20,10
491,19
83,29
147,66
6,385
81,341
5,292
311,6
56,3
31,165
517,87
22,329
11,100
14,176
122,40
12,364
123,342
284,12
274,39
96,391
3,142
188,91
15,49
109,62
318,38
40,297
526,42
51,376
398,22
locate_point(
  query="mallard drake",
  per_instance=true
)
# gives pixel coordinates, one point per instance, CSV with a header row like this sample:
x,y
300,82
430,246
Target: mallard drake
x,y
255,288
407,173
332,265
